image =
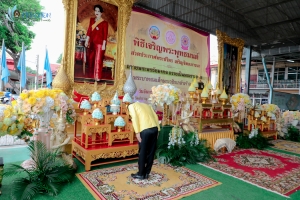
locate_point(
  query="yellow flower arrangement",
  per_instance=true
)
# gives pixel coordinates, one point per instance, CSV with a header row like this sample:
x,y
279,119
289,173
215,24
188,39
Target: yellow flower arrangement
x,y
271,109
240,102
38,102
11,120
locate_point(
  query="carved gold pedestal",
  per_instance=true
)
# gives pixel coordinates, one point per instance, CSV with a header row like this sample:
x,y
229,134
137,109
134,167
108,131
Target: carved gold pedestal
x,y
120,135
87,156
94,130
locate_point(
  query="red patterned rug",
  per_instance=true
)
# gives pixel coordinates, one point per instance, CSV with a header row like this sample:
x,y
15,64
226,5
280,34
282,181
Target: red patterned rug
x,y
273,171
165,182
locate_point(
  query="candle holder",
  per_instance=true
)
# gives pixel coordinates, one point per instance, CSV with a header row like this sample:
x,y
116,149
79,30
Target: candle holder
x,y
95,104
85,112
191,94
120,128
97,121
204,99
223,101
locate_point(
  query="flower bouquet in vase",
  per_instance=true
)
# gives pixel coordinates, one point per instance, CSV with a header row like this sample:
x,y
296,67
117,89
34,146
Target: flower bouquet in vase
x,y
165,95
291,117
41,105
272,110
240,102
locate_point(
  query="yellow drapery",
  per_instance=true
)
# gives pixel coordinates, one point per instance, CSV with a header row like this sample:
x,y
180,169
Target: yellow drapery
x,y
211,137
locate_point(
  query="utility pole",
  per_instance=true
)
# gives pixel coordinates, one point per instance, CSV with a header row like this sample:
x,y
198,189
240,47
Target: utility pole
x,y
37,72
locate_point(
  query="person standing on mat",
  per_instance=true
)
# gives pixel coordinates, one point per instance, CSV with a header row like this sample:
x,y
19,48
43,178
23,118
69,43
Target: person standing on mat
x,y
146,126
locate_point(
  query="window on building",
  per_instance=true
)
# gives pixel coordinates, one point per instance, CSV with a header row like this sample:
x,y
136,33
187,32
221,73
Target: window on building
x,y
281,69
280,76
292,76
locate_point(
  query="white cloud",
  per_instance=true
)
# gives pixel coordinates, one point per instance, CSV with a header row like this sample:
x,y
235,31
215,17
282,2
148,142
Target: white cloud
x,y
50,34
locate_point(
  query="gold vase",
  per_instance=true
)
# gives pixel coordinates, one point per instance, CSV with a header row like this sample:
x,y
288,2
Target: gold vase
x,y
165,119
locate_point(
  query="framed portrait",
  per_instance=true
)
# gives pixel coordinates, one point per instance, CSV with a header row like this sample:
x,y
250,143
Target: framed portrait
x,y
229,62
94,45
96,42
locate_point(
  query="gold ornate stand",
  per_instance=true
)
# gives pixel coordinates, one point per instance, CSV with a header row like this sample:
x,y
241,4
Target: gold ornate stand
x,y
87,156
211,135
111,145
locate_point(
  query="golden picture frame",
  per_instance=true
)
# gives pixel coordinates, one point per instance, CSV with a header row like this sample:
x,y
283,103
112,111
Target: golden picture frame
x,y
68,61
234,44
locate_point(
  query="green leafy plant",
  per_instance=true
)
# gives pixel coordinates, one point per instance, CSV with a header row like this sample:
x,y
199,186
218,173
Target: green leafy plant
x,y
47,174
293,134
25,135
257,142
188,152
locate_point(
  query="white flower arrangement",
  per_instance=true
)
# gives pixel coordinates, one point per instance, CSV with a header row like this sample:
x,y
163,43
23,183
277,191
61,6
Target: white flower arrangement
x,y
176,137
164,94
254,132
240,102
195,140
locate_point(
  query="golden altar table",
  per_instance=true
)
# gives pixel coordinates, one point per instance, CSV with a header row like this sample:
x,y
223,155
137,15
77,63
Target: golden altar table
x,y
211,137
208,132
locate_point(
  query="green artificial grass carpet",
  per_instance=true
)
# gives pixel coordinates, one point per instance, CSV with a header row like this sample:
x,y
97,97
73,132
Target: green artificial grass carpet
x,y
230,189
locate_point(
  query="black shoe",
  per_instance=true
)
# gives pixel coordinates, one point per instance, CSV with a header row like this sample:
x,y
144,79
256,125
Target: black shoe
x,y
146,176
137,176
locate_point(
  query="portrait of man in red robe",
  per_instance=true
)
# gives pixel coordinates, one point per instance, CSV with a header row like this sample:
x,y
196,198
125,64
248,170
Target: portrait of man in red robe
x,y
96,42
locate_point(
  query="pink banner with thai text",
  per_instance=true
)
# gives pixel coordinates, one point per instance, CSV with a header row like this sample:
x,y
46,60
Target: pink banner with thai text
x,y
164,51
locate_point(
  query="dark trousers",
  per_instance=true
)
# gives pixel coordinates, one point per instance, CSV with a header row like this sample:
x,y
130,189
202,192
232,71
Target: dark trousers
x,y
147,150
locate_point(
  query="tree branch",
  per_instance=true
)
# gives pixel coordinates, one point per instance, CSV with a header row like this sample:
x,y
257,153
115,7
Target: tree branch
x,y
11,29
13,55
